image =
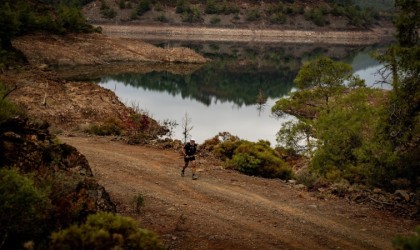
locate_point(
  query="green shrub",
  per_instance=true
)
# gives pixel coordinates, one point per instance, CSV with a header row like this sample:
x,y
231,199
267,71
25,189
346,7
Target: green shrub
x,y
105,231
182,6
307,178
138,201
317,16
193,15
215,20
278,18
106,11
252,158
22,205
109,13
162,18
70,19
158,6
143,7
211,7
253,15
408,242
109,127
121,4
7,108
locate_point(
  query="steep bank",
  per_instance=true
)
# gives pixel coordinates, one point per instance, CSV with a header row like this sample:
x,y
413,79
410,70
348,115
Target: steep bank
x,y
362,37
97,49
73,105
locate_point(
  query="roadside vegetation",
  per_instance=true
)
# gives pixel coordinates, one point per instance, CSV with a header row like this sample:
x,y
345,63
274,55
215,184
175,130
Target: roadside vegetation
x,y
357,135
320,13
250,158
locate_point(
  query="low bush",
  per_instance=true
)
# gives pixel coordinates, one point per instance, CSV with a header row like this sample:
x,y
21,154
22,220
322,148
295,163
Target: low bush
x,y
7,108
408,242
143,7
253,15
22,205
252,158
192,15
162,18
182,6
109,127
106,11
105,231
215,20
278,18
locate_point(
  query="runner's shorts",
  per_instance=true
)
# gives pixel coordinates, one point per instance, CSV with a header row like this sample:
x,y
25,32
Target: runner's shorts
x,y
189,158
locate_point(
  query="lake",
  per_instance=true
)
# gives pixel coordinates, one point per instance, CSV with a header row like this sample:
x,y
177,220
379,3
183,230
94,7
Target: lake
x,y
234,92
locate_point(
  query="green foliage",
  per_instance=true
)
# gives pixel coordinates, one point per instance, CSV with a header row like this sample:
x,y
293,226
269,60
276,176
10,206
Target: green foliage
x,y
162,18
105,231
106,11
211,7
10,24
192,15
220,7
253,15
293,134
317,16
143,7
252,158
407,22
22,205
109,127
121,4
324,76
7,108
307,178
408,242
345,124
70,19
342,147
182,6
138,201
20,17
400,128
278,18
215,20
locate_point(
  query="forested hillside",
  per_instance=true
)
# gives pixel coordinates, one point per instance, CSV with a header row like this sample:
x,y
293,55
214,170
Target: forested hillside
x,y
303,14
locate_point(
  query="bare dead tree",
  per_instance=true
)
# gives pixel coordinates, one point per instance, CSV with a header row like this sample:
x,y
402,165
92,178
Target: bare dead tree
x,y
44,100
186,127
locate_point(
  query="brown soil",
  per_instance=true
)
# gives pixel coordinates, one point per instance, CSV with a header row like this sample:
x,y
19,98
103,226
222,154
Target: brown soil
x,y
228,210
97,49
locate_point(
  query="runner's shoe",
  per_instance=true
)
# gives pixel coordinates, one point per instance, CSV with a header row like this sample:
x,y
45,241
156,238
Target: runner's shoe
x,y
182,173
194,177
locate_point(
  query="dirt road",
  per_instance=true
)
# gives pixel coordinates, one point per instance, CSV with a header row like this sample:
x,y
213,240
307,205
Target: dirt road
x,y
228,210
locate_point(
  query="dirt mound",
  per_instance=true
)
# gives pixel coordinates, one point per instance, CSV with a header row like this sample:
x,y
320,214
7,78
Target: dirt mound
x,y
65,105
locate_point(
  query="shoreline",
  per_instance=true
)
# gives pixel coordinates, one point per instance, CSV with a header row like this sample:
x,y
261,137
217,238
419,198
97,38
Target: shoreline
x,y
210,34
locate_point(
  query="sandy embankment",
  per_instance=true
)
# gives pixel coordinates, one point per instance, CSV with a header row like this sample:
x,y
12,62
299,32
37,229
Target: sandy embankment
x,y
249,35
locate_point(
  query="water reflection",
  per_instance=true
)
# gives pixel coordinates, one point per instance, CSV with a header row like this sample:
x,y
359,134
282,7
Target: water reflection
x,y
232,93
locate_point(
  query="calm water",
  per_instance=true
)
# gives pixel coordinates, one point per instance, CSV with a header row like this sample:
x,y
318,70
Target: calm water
x,y
233,93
